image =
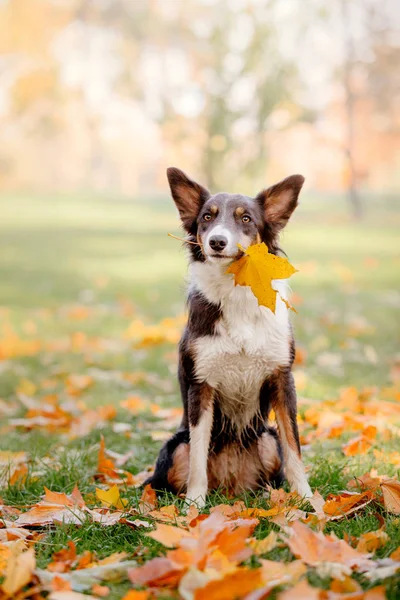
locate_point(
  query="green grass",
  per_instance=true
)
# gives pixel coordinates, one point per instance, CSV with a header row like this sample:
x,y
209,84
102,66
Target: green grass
x,y
113,256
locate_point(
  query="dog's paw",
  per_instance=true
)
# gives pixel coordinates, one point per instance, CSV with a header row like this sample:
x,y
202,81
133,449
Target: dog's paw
x,y
196,497
303,490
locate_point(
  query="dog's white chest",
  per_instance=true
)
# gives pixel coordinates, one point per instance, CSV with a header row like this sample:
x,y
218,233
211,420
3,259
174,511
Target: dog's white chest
x,y
250,341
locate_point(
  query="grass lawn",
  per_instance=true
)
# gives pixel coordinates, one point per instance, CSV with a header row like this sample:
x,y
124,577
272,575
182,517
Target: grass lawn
x,y
83,278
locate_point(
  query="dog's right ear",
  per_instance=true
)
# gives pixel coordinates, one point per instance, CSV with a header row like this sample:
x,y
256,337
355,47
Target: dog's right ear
x,y
188,195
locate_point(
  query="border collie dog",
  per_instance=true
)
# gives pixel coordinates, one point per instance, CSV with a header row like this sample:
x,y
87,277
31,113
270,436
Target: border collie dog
x,y
235,357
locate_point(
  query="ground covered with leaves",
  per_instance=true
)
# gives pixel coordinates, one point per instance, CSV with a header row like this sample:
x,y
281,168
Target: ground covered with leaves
x,y
91,311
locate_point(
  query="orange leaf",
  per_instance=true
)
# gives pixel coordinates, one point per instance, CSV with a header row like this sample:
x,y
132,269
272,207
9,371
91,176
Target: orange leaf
x,y
148,500
157,572
134,404
19,476
136,595
232,543
168,535
62,560
19,570
314,548
104,464
372,541
369,481
391,495
233,585
358,445
395,554
55,507
345,585
345,503
302,591
100,590
58,584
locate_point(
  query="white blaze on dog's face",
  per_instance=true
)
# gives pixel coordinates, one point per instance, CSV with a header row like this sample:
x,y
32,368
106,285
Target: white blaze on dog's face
x,y
221,222
227,221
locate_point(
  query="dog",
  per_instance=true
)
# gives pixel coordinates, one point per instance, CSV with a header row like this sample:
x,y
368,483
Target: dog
x,y
235,357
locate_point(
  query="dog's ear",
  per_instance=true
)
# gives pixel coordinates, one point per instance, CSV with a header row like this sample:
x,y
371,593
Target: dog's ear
x,y
279,201
188,195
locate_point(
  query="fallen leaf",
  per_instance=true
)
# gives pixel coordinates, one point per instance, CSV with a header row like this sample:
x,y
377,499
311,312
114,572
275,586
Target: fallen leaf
x,y
134,404
168,535
301,591
266,545
107,470
257,269
59,584
372,541
395,555
100,590
136,595
111,497
391,495
148,501
315,548
346,503
157,572
358,445
55,507
70,595
62,561
233,585
19,570
345,585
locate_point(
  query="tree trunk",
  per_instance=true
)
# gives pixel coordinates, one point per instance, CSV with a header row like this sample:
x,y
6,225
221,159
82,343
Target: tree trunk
x,y
352,191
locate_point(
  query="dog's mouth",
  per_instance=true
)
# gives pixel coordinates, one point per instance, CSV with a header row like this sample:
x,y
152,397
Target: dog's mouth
x,y
225,257
221,256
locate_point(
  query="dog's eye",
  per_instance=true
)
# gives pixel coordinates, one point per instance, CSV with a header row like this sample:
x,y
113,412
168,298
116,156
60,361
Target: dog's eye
x,y
207,217
246,219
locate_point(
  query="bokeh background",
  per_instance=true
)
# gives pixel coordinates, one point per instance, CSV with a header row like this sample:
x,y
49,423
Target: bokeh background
x,y
98,97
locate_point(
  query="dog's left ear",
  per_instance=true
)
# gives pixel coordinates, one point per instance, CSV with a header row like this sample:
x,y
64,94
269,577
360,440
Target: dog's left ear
x,y
280,200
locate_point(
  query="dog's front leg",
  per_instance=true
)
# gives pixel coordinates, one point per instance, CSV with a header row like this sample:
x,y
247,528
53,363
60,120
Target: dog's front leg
x,y
201,412
284,403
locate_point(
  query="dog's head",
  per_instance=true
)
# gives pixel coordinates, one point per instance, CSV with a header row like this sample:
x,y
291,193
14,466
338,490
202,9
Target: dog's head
x,y
221,221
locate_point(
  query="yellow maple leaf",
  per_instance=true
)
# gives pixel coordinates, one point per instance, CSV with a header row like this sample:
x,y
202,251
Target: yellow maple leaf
x,y
111,497
257,269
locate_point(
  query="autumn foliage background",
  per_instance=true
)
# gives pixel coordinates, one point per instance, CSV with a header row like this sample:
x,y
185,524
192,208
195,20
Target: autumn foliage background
x,y
96,100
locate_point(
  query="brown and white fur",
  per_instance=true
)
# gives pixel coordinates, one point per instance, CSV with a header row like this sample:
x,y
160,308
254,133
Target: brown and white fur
x,y
235,357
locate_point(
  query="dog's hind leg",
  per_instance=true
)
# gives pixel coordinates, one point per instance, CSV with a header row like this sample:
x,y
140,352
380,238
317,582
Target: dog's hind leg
x,y
285,406
270,453
172,466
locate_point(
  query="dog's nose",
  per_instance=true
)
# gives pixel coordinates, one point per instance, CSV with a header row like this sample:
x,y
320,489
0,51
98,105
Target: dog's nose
x,y
218,242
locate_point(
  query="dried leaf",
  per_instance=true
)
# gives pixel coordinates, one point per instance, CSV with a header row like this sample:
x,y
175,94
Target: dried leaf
x,y
346,503
372,541
391,495
266,545
315,548
19,569
257,269
136,595
148,501
157,572
233,585
111,497
55,507
169,536
301,591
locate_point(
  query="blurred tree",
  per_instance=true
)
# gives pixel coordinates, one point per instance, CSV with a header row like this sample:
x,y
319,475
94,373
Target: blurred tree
x,y
211,74
369,71
349,62
27,28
